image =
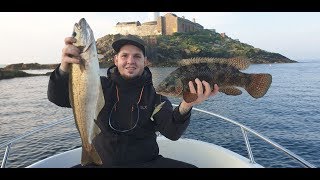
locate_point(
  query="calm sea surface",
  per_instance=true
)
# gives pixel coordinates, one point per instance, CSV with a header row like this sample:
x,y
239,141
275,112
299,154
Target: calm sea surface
x,y
288,114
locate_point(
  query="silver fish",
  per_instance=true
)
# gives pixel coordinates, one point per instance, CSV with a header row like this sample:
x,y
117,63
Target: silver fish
x,y
85,91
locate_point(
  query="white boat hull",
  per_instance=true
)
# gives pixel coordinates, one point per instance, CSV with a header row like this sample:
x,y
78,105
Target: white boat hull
x,y
199,153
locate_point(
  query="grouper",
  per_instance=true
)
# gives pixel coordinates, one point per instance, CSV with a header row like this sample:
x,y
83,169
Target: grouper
x,y
85,91
225,72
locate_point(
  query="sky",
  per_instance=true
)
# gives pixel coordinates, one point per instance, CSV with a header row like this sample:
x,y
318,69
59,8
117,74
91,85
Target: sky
x,y
38,37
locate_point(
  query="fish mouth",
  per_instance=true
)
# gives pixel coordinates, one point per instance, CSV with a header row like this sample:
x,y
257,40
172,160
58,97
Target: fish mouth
x,y
76,25
82,22
158,89
87,38
161,90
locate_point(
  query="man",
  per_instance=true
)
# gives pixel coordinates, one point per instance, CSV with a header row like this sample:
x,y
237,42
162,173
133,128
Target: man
x,y
128,135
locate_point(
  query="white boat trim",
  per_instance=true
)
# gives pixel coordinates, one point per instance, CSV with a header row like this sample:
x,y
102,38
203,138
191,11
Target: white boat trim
x,y
199,153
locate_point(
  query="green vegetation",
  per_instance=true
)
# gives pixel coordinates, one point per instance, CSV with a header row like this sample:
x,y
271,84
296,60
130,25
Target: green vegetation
x,y
164,50
168,50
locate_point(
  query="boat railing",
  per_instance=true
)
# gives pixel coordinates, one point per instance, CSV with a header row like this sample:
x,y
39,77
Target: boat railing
x,y
244,130
9,143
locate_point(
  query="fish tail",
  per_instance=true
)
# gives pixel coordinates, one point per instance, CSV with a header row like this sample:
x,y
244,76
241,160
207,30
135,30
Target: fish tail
x,y
259,85
90,155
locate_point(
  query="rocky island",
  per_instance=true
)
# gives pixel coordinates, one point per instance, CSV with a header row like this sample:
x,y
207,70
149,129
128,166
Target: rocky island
x,y
168,50
7,74
16,70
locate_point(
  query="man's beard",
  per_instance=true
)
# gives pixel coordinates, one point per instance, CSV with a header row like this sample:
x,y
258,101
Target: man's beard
x,y
126,77
130,77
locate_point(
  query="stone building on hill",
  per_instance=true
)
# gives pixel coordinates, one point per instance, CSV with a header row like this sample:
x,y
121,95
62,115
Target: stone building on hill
x,y
160,25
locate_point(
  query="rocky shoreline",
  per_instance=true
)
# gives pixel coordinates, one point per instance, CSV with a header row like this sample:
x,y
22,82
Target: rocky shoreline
x,y
17,70
29,66
8,74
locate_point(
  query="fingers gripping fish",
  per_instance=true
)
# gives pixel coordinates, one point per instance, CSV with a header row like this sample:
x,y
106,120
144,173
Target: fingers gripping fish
x,y
223,72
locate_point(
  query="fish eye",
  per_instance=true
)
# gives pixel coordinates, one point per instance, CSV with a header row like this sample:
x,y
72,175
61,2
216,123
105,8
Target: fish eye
x,y
74,34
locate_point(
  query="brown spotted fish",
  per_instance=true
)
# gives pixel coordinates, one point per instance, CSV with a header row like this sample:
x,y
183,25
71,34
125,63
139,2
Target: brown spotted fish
x,y
223,72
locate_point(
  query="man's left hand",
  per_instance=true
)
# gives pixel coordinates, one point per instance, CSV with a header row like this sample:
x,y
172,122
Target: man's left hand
x,y
202,95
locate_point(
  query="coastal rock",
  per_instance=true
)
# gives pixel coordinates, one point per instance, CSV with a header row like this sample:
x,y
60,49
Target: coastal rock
x,y
8,74
29,66
167,50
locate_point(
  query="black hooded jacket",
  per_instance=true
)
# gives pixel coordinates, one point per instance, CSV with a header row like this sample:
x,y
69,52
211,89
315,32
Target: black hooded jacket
x,y
136,99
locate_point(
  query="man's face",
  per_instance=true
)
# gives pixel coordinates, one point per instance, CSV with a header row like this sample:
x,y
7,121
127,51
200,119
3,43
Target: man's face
x,y
130,61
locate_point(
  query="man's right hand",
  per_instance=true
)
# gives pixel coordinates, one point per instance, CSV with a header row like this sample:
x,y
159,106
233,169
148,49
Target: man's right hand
x,y
70,54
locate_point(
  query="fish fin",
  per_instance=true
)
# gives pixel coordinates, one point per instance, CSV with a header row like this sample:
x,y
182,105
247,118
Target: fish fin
x,y
230,90
100,102
157,109
96,130
70,90
189,97
237,62
259,85
179,86
100,105
100,56
90,155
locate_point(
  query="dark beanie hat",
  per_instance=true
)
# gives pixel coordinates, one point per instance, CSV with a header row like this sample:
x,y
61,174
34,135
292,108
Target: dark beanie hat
x,y
129,39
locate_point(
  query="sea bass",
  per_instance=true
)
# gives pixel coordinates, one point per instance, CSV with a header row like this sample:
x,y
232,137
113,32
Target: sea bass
x,y
223,72
85,91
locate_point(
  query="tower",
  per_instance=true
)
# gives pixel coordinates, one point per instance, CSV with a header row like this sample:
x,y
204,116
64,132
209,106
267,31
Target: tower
x,y
153,16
